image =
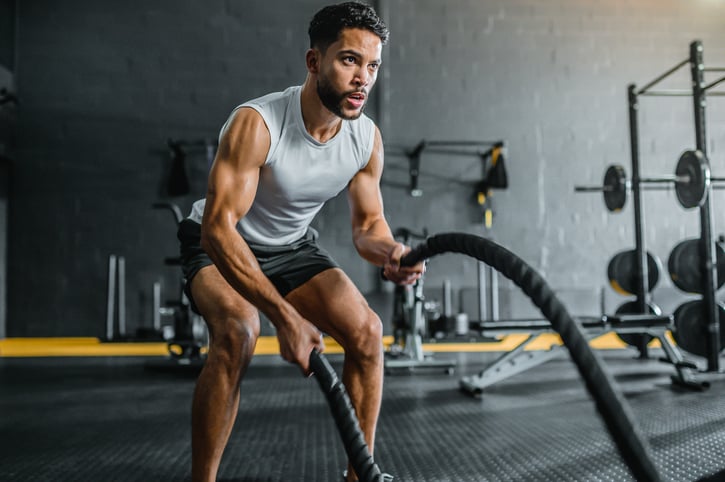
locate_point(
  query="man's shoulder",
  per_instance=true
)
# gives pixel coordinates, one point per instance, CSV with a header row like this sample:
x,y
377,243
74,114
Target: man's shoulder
x,y
272,98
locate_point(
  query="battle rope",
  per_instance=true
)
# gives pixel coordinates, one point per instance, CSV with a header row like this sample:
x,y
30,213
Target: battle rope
x,y
612,406
345,419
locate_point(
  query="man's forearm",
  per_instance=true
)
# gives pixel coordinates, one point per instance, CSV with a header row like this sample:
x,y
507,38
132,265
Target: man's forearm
x,y
238,265
375,243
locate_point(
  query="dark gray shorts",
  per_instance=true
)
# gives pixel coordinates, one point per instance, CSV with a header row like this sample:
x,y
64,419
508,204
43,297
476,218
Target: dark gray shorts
x,y
287,267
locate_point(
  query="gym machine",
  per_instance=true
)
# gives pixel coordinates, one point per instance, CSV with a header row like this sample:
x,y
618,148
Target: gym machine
x,y
409,324
189,340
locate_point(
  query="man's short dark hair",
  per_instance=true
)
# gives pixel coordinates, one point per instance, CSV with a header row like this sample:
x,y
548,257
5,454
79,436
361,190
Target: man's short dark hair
x,y
327,24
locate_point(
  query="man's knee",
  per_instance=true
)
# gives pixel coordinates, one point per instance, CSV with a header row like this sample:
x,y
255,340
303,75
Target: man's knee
x,y
233,331
237,334
366,341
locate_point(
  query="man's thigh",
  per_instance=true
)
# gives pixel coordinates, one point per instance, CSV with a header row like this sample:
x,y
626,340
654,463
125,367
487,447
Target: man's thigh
x,y
218,302
332,302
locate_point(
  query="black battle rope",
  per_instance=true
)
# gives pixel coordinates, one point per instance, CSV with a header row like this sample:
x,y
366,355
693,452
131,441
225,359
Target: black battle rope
x,y
609,401
345,419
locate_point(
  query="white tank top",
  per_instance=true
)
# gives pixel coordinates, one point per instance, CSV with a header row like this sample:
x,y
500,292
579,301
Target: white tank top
x,y
300,173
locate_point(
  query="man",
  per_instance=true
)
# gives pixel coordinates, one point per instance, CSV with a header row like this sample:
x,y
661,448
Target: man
x,y
248,245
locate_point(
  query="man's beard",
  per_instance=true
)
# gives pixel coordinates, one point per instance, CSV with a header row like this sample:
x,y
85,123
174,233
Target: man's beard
x,y
333,99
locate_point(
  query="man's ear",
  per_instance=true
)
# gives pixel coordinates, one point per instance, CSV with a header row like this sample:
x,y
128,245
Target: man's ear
x,y
312,59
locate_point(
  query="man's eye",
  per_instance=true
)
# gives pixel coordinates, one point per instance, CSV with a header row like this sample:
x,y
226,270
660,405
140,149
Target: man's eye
x,y
349,60
374,66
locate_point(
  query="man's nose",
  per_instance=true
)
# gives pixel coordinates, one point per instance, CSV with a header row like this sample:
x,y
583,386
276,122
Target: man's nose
x,y
362,77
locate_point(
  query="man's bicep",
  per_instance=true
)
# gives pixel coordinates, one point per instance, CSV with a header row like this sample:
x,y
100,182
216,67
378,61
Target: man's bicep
x,y
230,193
234,175
365,198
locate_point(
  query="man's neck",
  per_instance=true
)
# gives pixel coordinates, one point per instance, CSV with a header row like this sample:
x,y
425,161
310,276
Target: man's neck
x,y
320,123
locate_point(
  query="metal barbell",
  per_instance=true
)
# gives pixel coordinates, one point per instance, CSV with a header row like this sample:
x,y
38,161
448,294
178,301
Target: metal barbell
x,y
691,181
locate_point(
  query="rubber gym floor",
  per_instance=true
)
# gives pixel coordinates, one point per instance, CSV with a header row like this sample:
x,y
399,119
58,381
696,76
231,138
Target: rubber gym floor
x,y
76,410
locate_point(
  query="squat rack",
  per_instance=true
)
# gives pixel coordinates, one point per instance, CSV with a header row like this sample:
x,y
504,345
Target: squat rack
x,y
707,240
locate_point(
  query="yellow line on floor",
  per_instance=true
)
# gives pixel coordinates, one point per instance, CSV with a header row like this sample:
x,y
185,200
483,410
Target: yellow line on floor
x,y
66,347
268,345
608,341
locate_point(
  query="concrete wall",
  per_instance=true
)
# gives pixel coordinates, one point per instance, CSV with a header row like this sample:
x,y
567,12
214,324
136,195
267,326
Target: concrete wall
x,y
104,85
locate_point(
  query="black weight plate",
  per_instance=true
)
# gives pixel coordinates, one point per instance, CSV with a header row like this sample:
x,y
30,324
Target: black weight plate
x,y
615,188
686,268
694,165
621,272
631,308
691,327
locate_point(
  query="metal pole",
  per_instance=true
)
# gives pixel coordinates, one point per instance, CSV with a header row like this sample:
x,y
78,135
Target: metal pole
x,y
681,93
707,240
482,289
111,296
641,275
121,296
662,77
666,93
156,315
713,84
494,294
418,320
447,309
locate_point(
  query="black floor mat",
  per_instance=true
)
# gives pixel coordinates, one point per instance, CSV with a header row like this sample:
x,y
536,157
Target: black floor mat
x,y
110,420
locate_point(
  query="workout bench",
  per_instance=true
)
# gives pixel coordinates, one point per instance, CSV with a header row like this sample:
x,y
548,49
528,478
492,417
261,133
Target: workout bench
x,y
519,360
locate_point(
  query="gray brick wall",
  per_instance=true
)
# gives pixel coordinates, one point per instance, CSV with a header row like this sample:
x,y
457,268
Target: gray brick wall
x,y
104,85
